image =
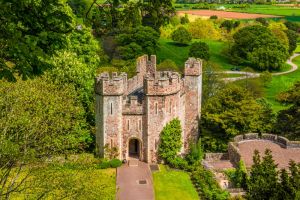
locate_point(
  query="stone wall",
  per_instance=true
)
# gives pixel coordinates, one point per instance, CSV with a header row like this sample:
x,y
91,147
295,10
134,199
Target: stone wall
x,y
234,153
216,156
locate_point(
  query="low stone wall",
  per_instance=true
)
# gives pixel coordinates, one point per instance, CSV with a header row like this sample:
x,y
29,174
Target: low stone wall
x,y
233,153
284,142
216,156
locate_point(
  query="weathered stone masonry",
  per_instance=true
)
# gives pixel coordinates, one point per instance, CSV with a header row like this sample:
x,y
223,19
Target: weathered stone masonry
x,y
139,108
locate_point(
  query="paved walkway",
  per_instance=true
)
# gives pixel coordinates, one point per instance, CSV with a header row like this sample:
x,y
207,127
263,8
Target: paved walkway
x,y
254,75
128,182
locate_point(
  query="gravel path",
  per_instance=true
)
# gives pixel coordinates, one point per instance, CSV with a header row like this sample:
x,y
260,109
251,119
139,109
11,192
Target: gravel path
x,y
255,75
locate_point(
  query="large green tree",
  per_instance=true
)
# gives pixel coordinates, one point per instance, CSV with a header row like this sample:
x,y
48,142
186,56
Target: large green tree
x,y
31,31
156,13
232,111
40,117
258,47
263,181
290,116
137,41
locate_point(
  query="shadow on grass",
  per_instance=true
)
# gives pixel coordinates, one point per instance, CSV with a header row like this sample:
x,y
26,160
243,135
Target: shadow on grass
x,y
177,44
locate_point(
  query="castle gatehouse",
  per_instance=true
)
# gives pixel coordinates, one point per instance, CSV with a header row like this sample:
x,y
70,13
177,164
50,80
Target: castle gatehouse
x,y
131,113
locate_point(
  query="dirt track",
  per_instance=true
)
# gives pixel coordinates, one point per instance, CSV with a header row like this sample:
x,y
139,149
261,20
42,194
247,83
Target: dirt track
x,y
224,14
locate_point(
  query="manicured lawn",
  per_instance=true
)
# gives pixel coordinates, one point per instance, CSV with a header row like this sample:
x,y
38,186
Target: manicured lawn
x,y
270,10
173,185
179,54
281,83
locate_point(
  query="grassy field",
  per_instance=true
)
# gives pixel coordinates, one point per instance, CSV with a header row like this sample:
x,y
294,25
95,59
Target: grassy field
x,y
179,54
270,10
281,83
72,180
173,185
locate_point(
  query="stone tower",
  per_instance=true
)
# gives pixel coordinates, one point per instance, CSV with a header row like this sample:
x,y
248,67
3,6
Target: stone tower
x,y
130,113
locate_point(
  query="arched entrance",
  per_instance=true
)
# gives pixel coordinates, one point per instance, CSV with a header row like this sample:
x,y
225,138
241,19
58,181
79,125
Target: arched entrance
x,y
134,148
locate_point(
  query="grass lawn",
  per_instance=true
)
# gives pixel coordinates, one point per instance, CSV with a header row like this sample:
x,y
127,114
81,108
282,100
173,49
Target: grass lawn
x,y
270,10
179,54
280,84
171,184
72,180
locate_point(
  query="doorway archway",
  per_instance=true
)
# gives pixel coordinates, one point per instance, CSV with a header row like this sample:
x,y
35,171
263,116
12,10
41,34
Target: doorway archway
x,y
134,148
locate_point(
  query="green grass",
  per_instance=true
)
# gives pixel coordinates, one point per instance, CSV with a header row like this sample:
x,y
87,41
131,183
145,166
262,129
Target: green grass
x,y
173,185
280,84
179,54
270,10
80,179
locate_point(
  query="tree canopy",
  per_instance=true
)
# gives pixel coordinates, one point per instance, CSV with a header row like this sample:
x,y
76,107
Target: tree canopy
x,y
259,48
232,111
34,31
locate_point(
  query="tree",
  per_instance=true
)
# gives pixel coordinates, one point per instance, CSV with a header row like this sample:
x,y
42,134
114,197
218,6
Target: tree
x,y
170,141
231,111
156,13
290,116
31,31
184,19
42,118
181,35
263,182
203,29
168,65
137,41
278,29
199,50
258,47
266,78
292,38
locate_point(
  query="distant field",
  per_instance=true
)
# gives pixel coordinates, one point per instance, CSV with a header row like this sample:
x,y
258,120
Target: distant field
x,y
289,13
224,14
179,54
173,184
280,84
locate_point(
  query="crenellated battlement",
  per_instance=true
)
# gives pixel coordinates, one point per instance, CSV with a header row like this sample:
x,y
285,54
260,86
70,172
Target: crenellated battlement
x,y
131,105
163,83
193,67
114,85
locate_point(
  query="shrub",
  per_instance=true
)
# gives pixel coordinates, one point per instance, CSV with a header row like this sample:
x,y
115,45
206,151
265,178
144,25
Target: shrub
x,y
181,35
213,17
104,165
199,50
195,152
167,65
114,163
178,163
203,29
185,19
170,143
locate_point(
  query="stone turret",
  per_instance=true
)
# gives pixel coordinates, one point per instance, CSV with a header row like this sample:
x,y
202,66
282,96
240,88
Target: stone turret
x,y
193,92
109,92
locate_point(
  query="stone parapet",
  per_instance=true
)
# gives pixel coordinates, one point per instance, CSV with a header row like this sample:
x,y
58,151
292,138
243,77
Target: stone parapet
x,y
163,83
216,156
131,106
193,67
110,86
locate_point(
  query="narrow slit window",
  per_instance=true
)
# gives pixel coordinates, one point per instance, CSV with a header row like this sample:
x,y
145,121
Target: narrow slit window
x,y
128,124
111,108
170,108
156,108
140,124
